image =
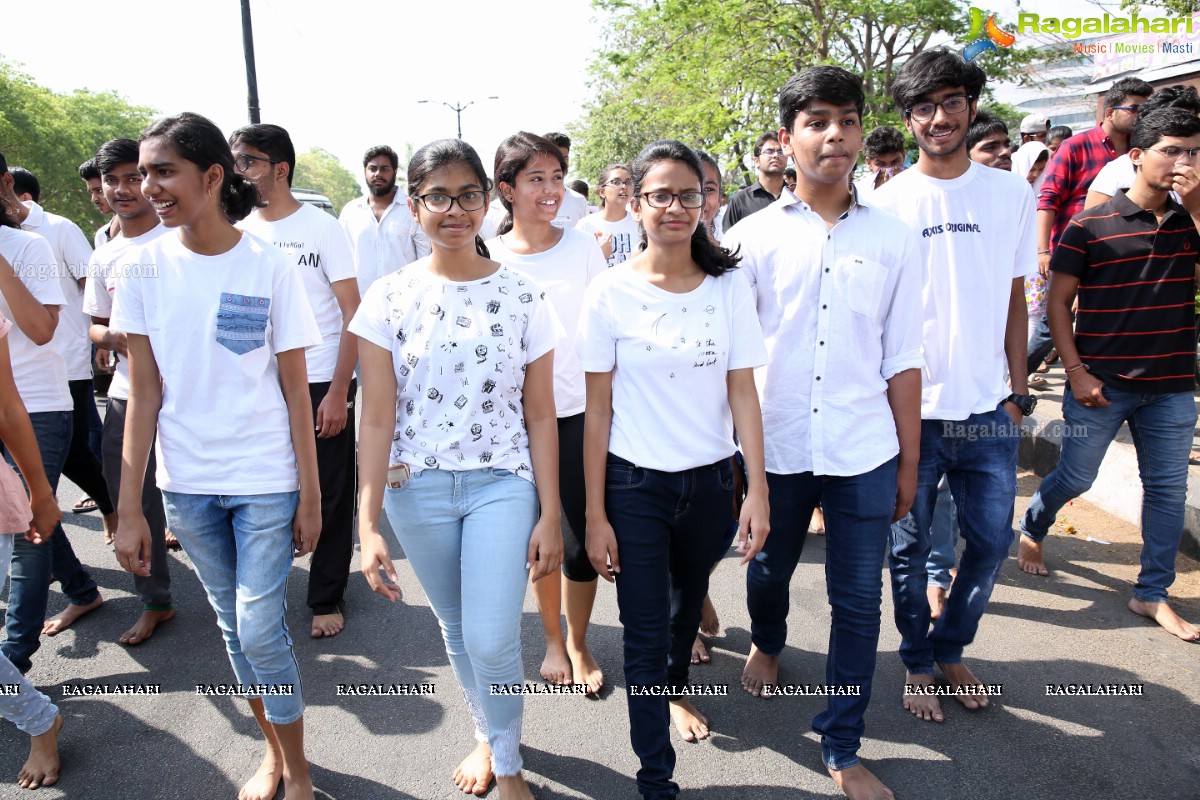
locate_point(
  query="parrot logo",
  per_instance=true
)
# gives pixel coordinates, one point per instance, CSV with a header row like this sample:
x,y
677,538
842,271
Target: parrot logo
x,y
985,35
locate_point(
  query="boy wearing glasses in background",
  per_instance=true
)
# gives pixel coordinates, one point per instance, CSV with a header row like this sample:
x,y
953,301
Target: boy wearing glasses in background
x,y
770,160
1132,262
975,229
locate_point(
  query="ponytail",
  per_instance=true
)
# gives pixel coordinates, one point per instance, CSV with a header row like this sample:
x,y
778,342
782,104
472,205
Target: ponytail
x,y
238,197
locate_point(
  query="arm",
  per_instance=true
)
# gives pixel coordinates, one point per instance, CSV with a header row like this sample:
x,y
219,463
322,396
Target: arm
x,y
1016,344
17,434
106,338
293,378
597,430
375,440
1095,198
34,319
1045,223
331,414
1086,389
132,539
904,396
546,543
754,523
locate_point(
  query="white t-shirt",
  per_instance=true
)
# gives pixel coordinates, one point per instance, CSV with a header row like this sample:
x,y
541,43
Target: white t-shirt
x,y
101,238
564,272
39,370
381,246
491,222
216,324
976,233
573,209
459,350
109,261
624,233
315,243
1115,175
72,252
670,355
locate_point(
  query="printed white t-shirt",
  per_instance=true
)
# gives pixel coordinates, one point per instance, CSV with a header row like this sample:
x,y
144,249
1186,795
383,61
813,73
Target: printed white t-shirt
x,y
564,272
976,233
109,261
459,349
216,324
624,233
39,370
72,253
670,354
316,245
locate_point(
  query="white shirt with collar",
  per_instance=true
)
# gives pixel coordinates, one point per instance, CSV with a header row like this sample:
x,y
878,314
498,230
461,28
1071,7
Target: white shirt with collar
x,y
73,254
840,309
382,246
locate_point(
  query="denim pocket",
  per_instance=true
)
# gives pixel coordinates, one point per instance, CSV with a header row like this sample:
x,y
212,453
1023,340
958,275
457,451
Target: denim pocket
x,y
725,474
242,322
623,476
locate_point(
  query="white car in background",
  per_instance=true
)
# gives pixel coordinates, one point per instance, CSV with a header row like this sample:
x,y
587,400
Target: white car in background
x,y
314,198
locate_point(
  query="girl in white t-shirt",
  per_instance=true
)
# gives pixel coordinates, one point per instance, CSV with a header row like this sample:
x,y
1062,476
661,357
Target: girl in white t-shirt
x,y
669,341
216,323
563,261
457,358
613,226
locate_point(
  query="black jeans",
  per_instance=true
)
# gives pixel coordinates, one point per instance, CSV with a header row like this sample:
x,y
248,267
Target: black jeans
x,y
83,467
330,568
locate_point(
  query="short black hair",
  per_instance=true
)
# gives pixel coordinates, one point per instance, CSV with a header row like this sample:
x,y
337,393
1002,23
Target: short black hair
x,y
581,187
25,182
763,139
1178,96
270,139
115,152
933,69
560,139
1117,93
88,170
789,172
983,126
1151,128
883,140
382,150
1059,132
828,83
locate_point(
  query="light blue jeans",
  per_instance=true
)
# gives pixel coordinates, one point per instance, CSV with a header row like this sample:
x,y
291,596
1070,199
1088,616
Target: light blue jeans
x,y
241,547
466,535
28,709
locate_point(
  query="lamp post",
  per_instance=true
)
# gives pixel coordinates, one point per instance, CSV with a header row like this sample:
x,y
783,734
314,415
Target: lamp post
x,y
251,76
458,108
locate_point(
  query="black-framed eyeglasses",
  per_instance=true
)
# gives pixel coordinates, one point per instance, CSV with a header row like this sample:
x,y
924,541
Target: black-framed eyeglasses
x,y
954,104
439,203
244,162
665,199
770,151
1173,152
617,183
1136,108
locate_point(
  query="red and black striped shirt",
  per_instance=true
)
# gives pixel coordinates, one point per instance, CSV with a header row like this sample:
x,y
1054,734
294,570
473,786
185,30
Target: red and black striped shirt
x,y
1137,285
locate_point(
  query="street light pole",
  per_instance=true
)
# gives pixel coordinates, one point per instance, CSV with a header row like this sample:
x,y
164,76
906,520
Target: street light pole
x,y
457,108
251,75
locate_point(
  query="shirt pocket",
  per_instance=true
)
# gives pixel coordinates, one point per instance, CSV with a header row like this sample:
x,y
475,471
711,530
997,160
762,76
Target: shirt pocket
x,y
242,322
864,285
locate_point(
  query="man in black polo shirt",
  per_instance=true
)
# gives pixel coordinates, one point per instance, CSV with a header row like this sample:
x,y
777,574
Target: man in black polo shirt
x,y
771,162
1132,262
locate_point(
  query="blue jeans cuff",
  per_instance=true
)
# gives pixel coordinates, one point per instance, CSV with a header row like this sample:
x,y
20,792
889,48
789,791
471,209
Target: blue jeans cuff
x,y
1158,596
91,596
838,762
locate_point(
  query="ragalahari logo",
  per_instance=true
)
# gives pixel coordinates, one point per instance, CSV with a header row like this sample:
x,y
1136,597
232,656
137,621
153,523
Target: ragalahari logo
x,y
984,36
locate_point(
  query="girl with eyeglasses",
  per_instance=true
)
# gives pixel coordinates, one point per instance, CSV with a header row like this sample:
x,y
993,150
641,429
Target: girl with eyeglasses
x,y
613,226
459,443
669,340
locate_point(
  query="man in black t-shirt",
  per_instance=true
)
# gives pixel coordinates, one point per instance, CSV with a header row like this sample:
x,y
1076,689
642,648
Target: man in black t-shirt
x,y
771,162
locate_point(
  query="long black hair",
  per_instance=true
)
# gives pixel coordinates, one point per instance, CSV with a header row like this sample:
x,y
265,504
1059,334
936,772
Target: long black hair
x,y
199,141
710,256
512,156
443,153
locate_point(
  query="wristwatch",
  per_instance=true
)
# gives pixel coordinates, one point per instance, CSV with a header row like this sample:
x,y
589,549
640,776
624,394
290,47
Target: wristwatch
x,y
1025,402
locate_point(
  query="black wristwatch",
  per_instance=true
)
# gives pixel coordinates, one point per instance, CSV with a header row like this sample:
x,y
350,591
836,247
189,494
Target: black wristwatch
x,y
1026,402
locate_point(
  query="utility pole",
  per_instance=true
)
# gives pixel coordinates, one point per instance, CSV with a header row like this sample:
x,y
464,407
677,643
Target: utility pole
x,y
457,108
251,74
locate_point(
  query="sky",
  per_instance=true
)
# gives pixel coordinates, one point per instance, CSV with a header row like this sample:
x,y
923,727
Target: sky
x,y
343,75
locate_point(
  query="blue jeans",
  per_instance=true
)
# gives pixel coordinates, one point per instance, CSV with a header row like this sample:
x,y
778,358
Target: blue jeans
x,y
241,547
1162,426
979,457
466,535
943,537
30,710
668,526
32,565
858,514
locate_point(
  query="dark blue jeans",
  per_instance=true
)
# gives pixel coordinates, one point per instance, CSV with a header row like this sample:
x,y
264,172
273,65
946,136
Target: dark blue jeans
x,y
858,512
668,526
32,565
979,456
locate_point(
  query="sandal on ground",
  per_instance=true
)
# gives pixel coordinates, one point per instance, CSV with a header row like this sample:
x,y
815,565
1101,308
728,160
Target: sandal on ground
x,y
85,506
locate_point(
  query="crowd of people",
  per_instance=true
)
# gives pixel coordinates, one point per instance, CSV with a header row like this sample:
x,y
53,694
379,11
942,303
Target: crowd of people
x,y
550,397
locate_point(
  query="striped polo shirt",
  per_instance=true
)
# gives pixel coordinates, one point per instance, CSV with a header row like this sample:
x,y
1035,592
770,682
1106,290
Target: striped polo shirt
x,y
1136,323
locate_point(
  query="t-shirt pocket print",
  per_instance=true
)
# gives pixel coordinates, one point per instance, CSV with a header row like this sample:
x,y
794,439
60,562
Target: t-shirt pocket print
x,y
242,322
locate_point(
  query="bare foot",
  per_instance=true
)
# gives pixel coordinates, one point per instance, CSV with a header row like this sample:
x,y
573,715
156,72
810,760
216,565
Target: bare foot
x,y
817,525
556,667
585,670
1163,614
761,673
699,651
937,600
474,774
922,706
109,521
325,625
962,678
41,768
859,783
1029,557
298,787
710,625
691,724
172,542
264,783
65,618
514,787
143,629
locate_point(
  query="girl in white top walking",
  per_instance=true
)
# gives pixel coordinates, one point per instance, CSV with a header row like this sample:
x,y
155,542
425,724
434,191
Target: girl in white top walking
x,y
613,226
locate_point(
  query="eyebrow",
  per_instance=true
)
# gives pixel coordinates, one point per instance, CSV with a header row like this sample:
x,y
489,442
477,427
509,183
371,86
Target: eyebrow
x,y
467,187
159,164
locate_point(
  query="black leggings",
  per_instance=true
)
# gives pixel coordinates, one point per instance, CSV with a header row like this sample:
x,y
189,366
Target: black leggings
x,y
570,490
82,467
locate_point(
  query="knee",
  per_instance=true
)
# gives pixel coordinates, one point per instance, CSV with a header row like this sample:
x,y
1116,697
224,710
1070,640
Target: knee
x,y
493,653
262,645
994,549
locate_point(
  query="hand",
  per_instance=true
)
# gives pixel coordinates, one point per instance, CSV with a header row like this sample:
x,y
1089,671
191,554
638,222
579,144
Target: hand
x,y
754,523
1088,391
545,552
104,361
132,543
606,243
906,490
374,552
306,526
1014,413
602,549
1186,184
331,414
46,516
1044,265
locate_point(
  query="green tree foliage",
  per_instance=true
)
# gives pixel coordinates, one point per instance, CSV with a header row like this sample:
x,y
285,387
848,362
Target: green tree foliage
x,y
708,71
320,171
52,134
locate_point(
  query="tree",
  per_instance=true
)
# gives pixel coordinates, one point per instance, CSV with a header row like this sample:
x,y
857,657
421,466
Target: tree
x,y
320,171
